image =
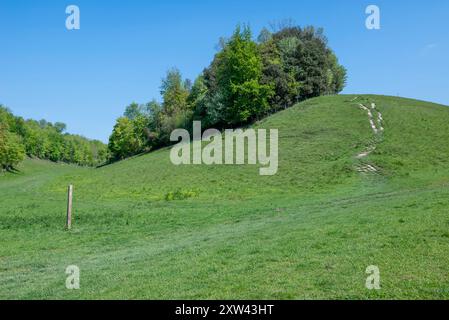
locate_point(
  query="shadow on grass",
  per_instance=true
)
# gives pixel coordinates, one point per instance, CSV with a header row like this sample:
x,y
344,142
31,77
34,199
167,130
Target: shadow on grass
x,y
11,170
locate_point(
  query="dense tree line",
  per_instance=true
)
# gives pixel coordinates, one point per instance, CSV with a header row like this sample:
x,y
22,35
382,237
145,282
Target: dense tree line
x,y
246,81
44,140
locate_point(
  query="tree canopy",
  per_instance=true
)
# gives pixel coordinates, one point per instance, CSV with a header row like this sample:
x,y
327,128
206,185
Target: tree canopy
x,y
245,81
44,140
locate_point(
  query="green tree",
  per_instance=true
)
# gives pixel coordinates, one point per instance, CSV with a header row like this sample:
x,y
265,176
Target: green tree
x,y
275,73
245,81
197,98
174,92
133,111
307,59
124,141
44,140
154,112
336,75
238,74
60,127
12,151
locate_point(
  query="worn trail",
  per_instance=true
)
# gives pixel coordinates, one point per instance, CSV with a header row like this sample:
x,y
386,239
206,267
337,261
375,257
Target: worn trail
x,y
376,120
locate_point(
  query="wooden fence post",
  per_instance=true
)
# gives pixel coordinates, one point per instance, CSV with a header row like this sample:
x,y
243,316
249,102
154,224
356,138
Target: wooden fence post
x,y
69,207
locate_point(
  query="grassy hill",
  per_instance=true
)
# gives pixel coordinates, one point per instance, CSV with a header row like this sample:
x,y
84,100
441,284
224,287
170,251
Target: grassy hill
x,y
308,232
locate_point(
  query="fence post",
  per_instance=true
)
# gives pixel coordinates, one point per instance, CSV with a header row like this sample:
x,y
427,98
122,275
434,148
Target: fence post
x,y
69,207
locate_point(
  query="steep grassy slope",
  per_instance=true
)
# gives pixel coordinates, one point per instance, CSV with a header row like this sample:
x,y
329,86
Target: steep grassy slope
x,y
308,232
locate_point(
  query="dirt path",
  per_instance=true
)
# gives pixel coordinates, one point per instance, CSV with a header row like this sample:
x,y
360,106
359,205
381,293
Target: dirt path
x,y
376,122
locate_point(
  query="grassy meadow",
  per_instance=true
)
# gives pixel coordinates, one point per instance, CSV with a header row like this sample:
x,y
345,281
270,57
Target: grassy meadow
x,y
309,232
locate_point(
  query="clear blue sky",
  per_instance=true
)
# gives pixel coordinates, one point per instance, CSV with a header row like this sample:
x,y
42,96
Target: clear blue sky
x,y
86,77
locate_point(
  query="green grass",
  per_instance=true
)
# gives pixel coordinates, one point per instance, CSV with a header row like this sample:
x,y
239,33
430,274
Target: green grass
x,y
309,232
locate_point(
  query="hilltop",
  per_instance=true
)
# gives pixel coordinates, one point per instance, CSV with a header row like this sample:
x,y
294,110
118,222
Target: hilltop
x,y
345,197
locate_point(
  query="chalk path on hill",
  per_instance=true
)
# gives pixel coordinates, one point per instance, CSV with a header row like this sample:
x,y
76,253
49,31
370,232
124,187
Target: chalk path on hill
x,y
376,123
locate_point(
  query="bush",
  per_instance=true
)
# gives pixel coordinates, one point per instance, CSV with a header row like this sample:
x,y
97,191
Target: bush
x,y
180,195
12,151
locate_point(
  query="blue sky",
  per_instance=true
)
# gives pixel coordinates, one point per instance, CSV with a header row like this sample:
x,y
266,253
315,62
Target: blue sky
x,y
86,77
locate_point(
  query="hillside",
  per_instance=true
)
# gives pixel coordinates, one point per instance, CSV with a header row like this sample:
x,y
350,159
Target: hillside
x,y
344,198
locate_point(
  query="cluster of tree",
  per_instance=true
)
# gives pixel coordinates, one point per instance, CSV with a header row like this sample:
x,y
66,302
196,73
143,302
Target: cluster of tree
x,y
44,140
246,81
